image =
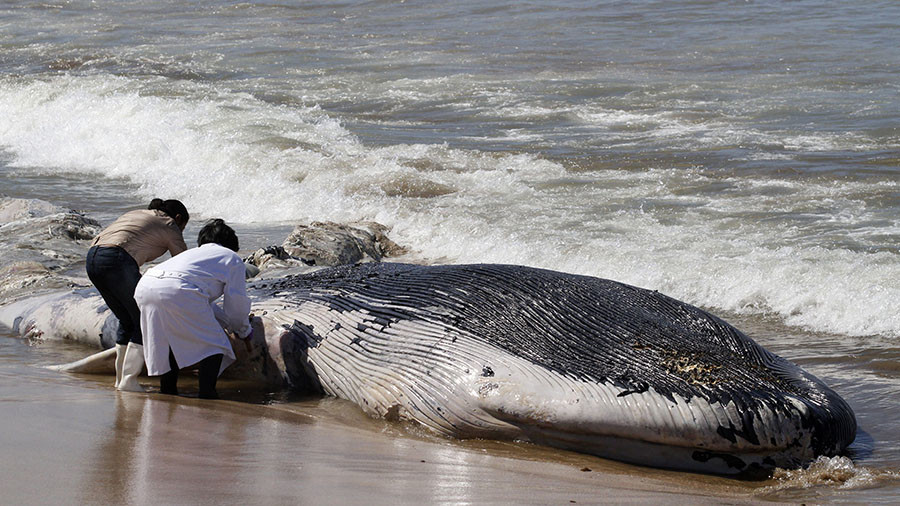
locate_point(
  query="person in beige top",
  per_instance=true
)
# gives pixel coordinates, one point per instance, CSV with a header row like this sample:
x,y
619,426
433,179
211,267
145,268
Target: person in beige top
x,y
113,266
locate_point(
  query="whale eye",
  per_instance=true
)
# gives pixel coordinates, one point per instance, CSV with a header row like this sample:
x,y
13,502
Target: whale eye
x,y
487,372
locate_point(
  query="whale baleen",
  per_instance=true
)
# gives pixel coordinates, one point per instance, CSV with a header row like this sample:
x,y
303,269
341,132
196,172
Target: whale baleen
x,y
511,352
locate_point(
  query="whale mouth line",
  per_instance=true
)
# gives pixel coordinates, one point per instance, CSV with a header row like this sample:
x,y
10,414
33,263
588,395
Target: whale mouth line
x,y
526,414
750,464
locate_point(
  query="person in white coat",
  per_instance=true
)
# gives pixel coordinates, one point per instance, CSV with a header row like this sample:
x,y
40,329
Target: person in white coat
x,y
182,323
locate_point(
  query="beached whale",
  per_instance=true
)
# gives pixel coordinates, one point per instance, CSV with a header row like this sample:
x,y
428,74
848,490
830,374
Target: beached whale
x,y
511,352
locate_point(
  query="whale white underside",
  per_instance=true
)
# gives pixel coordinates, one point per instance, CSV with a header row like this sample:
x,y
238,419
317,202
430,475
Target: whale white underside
x,y
457,385
453,383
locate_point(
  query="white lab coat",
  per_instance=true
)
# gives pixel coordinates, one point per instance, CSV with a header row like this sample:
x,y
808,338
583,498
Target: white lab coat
x,y
177,299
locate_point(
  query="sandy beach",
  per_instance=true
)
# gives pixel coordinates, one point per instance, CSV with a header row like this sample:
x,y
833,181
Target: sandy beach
x,y
71,439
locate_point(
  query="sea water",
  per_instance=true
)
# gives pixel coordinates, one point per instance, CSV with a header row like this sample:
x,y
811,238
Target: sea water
x,y
740,156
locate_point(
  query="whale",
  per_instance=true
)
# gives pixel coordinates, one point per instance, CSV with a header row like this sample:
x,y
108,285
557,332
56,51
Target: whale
x,y
510,352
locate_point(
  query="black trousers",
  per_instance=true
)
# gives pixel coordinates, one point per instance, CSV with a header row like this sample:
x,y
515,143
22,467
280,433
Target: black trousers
x,y
208,375
115,274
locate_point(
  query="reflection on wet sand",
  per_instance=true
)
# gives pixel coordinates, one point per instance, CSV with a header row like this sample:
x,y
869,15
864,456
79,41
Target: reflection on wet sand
x,y
169,450
162,449
73,439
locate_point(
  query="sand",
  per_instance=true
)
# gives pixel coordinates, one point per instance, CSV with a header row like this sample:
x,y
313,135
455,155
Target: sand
x,y
72,439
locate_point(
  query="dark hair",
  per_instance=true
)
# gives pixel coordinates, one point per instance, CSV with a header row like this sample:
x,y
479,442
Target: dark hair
x,y
216,231
171,207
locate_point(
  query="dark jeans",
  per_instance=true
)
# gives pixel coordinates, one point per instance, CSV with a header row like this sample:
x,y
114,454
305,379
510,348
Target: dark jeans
x,y
115,274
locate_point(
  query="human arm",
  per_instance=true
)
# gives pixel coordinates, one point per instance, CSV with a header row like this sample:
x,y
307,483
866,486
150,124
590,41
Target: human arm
x,y
235,303
176,243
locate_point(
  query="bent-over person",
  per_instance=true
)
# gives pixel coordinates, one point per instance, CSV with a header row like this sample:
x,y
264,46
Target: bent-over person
x,y
180,318
113,265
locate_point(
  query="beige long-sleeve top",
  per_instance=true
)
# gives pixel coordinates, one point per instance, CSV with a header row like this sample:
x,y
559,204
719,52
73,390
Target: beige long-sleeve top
x,y
145,234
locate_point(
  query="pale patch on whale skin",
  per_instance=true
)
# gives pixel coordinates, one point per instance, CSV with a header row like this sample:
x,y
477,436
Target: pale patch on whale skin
x,y
78,316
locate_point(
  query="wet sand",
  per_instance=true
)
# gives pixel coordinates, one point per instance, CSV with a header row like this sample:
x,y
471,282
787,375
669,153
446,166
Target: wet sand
x,y
72,439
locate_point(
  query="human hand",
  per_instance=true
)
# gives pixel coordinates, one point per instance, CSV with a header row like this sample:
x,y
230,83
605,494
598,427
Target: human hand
x,y
247,339
249,334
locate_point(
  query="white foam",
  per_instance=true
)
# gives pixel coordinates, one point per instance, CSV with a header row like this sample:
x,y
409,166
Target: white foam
x,y
631,128
839,472
757,246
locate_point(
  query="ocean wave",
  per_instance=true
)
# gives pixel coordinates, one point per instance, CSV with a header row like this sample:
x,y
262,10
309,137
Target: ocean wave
x,y
812,252
710,131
